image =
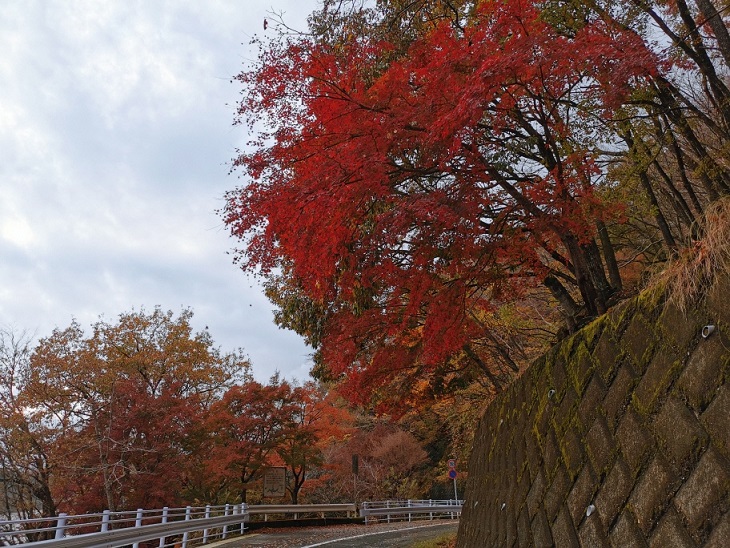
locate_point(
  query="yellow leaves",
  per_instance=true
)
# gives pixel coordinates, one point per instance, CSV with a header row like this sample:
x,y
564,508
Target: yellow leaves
x,y
74,374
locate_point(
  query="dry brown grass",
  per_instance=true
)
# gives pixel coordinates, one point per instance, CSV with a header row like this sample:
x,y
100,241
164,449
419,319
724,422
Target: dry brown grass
x,y
447,540
692,273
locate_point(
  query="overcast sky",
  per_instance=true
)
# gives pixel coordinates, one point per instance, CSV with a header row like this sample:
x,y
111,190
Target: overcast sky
x,y
115,139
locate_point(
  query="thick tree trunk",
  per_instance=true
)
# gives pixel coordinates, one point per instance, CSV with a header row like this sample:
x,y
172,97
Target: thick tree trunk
x,y
298,481
585,257
244,486
609,255
42,492
589,273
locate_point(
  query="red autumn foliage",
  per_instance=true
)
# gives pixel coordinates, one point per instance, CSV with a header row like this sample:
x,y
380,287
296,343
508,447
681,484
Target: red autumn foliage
x,y
317,421
257,425
245,428
115,418
411,196
142,458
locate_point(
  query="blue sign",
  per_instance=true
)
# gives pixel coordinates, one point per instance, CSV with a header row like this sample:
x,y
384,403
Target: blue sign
x,y
452,473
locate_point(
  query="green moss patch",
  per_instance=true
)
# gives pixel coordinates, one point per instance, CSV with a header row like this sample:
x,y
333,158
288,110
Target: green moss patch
x,y
660,374
640,341
580,368
680,328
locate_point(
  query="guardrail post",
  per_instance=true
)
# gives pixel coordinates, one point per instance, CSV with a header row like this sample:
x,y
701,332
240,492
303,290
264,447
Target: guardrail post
x,y
205,531
105,521
409,514
242,509
138,523
225,527
165,510
185,534
247,517
61,525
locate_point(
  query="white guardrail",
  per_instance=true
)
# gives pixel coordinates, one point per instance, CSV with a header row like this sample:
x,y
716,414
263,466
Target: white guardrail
x,y
172,526
410,509
193,526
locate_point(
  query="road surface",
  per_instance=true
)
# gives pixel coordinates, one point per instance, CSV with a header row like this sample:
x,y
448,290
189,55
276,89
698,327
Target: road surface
x,y
384,535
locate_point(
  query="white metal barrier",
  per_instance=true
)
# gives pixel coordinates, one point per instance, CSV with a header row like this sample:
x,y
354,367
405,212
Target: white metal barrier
x,y
172,526
410,509
298,509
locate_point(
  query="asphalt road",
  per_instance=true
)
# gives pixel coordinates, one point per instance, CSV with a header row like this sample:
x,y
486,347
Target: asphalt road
x,y
393,535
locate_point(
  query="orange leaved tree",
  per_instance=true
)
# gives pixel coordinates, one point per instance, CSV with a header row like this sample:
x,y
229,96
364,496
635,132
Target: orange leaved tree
x,y
118,413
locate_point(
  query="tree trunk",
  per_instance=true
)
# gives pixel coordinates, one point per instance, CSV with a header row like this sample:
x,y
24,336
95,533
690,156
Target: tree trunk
x,y
646,184
713,18
679,157
704,63
614,274
712,175
244,485
680,205
298,481
658,215
42,492
589,273
567,304
483,366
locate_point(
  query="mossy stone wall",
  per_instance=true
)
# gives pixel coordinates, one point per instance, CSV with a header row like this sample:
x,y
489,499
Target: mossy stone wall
x,y
619,436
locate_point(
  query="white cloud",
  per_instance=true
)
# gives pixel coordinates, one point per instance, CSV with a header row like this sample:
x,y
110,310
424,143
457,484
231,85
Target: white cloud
x,y
115,136
17,231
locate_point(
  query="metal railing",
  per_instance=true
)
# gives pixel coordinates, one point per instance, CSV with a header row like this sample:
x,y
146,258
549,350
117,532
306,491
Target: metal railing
x,y
172,526
301,509
411,509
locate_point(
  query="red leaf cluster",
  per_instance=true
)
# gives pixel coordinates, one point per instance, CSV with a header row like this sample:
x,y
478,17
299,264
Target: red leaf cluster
x,y
414,195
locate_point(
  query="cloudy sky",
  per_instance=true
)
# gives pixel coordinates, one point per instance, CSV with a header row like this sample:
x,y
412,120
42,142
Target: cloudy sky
x,y
115,139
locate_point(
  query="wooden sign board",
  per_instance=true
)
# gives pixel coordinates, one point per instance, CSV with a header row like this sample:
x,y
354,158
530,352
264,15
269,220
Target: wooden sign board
x,y
275,482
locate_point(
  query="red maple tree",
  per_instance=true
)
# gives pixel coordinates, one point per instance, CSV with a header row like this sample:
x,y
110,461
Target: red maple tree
x,y
245,427
410,195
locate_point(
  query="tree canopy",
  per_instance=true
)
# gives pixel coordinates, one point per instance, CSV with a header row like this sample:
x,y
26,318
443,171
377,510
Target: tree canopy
x,y
144,413
414,167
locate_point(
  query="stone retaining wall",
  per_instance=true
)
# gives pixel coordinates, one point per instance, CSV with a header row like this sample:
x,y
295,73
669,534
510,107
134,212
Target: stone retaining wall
x,y
619,436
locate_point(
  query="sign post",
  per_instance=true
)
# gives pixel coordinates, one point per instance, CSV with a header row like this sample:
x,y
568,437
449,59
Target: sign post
x,y
452,475
355,470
